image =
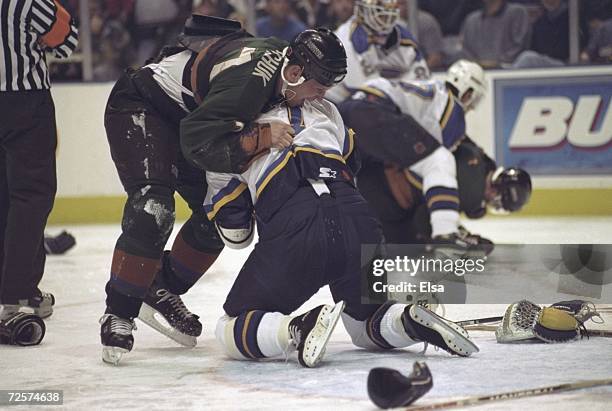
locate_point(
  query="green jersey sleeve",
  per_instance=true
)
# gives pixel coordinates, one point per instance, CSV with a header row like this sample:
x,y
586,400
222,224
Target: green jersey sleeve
x,y
219,135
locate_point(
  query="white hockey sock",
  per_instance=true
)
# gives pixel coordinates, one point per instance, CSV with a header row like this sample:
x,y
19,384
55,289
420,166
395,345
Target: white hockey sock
x,y
383,330
254,334
392,329
444,222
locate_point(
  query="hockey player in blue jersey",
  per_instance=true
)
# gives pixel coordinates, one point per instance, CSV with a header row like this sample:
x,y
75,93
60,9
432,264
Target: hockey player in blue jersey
x,y
408,134
376,45
311,222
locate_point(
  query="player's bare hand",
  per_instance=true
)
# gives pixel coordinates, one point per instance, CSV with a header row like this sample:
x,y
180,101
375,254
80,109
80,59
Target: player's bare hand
x,y
282,134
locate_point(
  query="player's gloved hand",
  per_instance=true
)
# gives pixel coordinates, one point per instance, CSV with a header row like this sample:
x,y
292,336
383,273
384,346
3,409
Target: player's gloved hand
x,y
281,134
59,244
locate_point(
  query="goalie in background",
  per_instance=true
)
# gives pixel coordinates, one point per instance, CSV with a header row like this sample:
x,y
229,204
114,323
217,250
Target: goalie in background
x,y
419,167
311,223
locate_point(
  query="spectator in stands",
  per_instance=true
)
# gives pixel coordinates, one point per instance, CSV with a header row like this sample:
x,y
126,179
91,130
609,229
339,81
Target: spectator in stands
x,y
596,10
156,22
341,11
279,22
495,35
550,37
429,34
599,49
218,8
313,13
450,13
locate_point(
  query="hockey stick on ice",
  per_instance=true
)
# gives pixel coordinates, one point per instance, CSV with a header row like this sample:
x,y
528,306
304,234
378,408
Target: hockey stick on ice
x,y
511,395
484,320
590,333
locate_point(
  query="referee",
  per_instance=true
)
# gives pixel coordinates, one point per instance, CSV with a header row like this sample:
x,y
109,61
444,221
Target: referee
x,y
28,29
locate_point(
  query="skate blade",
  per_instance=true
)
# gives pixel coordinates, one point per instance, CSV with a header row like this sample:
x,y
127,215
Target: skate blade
x,y
112,355
315,344
459,343
155,320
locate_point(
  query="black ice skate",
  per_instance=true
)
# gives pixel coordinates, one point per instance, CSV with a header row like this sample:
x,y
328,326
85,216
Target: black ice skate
x,y
453,246
116,336
422,324
40,305
310,332
481,247
166,313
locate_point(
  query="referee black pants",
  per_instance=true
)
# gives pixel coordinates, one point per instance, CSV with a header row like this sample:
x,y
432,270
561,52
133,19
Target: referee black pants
x,y
27,189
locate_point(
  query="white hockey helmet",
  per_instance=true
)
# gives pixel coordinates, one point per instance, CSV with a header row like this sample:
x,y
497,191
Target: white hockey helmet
x,y
379,16
466,76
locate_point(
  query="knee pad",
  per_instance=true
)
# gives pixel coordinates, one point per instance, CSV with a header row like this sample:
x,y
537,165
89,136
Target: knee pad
x,y
237,238
148,218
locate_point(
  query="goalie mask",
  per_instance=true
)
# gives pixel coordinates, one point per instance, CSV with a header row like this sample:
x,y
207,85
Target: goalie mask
x,y
468,80
321,55
512,188
378,16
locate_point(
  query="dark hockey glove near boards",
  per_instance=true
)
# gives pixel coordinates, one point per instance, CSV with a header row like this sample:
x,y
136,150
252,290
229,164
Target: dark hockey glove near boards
x,y
389,388
59,244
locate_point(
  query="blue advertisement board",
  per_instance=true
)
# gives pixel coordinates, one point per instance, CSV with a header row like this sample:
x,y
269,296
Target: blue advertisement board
x,y
555,125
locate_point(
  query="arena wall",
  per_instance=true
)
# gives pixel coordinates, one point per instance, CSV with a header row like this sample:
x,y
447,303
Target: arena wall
x,y
89,190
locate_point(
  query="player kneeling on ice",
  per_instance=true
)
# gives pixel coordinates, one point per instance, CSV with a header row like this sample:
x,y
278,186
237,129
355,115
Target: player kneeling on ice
x,y
311,223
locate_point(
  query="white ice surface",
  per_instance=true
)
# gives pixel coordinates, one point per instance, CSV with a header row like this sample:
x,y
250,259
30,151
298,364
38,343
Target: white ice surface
x,y
159,375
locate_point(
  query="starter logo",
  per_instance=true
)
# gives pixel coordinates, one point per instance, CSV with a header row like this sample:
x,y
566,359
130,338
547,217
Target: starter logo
x,y
555,126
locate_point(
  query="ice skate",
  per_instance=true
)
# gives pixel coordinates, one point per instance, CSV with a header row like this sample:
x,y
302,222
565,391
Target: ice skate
x,y
166,313
422,324
452,246
310,332
116,336
481,247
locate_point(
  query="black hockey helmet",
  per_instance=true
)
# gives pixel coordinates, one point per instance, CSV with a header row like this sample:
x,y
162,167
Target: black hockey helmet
x,y
321,53
513,187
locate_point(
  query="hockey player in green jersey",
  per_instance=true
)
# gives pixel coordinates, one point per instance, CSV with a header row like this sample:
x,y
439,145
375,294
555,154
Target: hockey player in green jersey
x,y
191,109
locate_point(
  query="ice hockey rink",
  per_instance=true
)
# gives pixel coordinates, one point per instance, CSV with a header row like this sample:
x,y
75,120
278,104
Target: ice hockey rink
x,y
158,374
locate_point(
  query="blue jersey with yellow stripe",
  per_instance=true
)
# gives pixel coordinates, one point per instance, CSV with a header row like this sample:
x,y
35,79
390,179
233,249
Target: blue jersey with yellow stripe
x,y
429,102
320,150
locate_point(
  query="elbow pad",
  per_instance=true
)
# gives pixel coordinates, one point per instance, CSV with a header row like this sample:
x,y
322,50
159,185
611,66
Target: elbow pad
x,y
237,238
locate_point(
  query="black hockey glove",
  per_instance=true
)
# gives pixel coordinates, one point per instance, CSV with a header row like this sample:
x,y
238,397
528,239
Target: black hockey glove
x,y
59,244
22,329
389,388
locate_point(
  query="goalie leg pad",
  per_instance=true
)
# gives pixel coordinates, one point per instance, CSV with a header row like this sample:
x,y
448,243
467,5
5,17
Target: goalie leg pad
x,y
22,329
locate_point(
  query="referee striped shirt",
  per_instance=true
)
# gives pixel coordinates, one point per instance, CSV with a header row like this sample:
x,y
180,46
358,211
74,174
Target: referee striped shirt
x,y
28,29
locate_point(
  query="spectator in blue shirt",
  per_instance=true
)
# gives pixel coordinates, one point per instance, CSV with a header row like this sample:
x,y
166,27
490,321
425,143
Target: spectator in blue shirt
x,y
279,22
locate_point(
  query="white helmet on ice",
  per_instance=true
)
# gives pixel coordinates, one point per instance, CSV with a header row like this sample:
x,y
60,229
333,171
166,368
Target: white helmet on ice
x,y
468,79
379,16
